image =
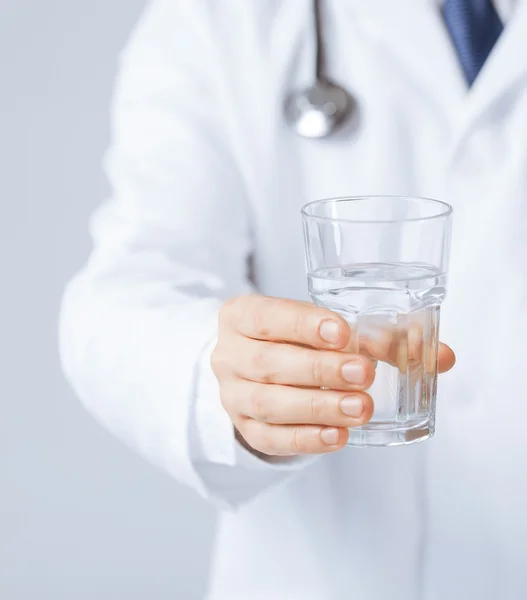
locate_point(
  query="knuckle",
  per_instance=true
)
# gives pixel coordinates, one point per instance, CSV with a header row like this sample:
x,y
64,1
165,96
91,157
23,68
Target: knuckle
x,y
261,443
218,362
260,365
247,434
318,368
249,437
259,360
230,309
227,402
259,324
229,393
259,319
259,406
300,442
316,407
242,429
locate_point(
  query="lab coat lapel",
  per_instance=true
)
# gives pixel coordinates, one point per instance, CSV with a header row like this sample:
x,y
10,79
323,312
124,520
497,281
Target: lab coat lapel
x,y
503,69
414,33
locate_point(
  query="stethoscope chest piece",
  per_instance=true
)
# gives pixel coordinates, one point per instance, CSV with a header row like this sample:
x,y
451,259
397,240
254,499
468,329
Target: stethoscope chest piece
x,y
319,110
322,108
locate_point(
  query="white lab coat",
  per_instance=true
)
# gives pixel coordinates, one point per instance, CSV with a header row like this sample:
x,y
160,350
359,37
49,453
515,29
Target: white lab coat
x,y
205,175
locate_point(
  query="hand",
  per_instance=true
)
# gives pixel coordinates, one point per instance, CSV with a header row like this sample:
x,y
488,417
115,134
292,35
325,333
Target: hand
x,y
272,358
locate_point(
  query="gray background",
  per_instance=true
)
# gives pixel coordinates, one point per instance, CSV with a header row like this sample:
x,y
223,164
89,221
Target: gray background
x,y
80,516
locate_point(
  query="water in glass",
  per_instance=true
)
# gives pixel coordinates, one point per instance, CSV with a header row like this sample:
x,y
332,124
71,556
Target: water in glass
x,y
393,312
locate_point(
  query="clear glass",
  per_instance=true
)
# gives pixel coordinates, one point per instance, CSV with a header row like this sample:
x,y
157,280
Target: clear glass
x,y
381,262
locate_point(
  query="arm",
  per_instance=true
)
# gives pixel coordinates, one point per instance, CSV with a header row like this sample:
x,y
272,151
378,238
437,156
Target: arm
x,y
139,322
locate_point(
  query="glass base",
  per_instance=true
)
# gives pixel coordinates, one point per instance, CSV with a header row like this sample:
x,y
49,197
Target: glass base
x,y
390,434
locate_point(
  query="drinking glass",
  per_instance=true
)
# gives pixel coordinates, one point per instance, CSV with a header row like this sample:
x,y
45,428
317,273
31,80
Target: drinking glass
x,y
381,262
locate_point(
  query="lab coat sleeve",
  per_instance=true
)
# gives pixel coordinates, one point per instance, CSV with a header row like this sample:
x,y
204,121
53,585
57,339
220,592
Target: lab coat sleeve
x,y
139,322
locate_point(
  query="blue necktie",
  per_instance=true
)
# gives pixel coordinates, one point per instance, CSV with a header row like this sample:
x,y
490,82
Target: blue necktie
x,y
474,26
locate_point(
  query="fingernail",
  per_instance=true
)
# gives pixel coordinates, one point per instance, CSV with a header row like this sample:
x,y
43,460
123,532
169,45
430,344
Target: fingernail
x,y
330,436
329,331
353,372
352,406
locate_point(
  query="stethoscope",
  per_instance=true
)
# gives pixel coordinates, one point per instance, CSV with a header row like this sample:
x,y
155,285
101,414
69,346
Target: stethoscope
x,y
324,107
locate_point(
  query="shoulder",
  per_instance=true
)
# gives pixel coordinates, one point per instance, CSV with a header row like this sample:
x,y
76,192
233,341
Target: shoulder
x,y
221,20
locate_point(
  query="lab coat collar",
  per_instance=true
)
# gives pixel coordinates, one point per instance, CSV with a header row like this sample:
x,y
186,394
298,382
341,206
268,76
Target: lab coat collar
x,y
414,32
504,69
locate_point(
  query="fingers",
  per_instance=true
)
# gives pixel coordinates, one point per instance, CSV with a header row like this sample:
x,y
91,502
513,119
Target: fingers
x,y
285,405
447,358
267,362
281,320
379,338
409,342
288,440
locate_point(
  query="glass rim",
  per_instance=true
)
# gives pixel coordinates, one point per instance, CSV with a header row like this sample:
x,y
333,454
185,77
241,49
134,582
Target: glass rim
x,y
445,212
